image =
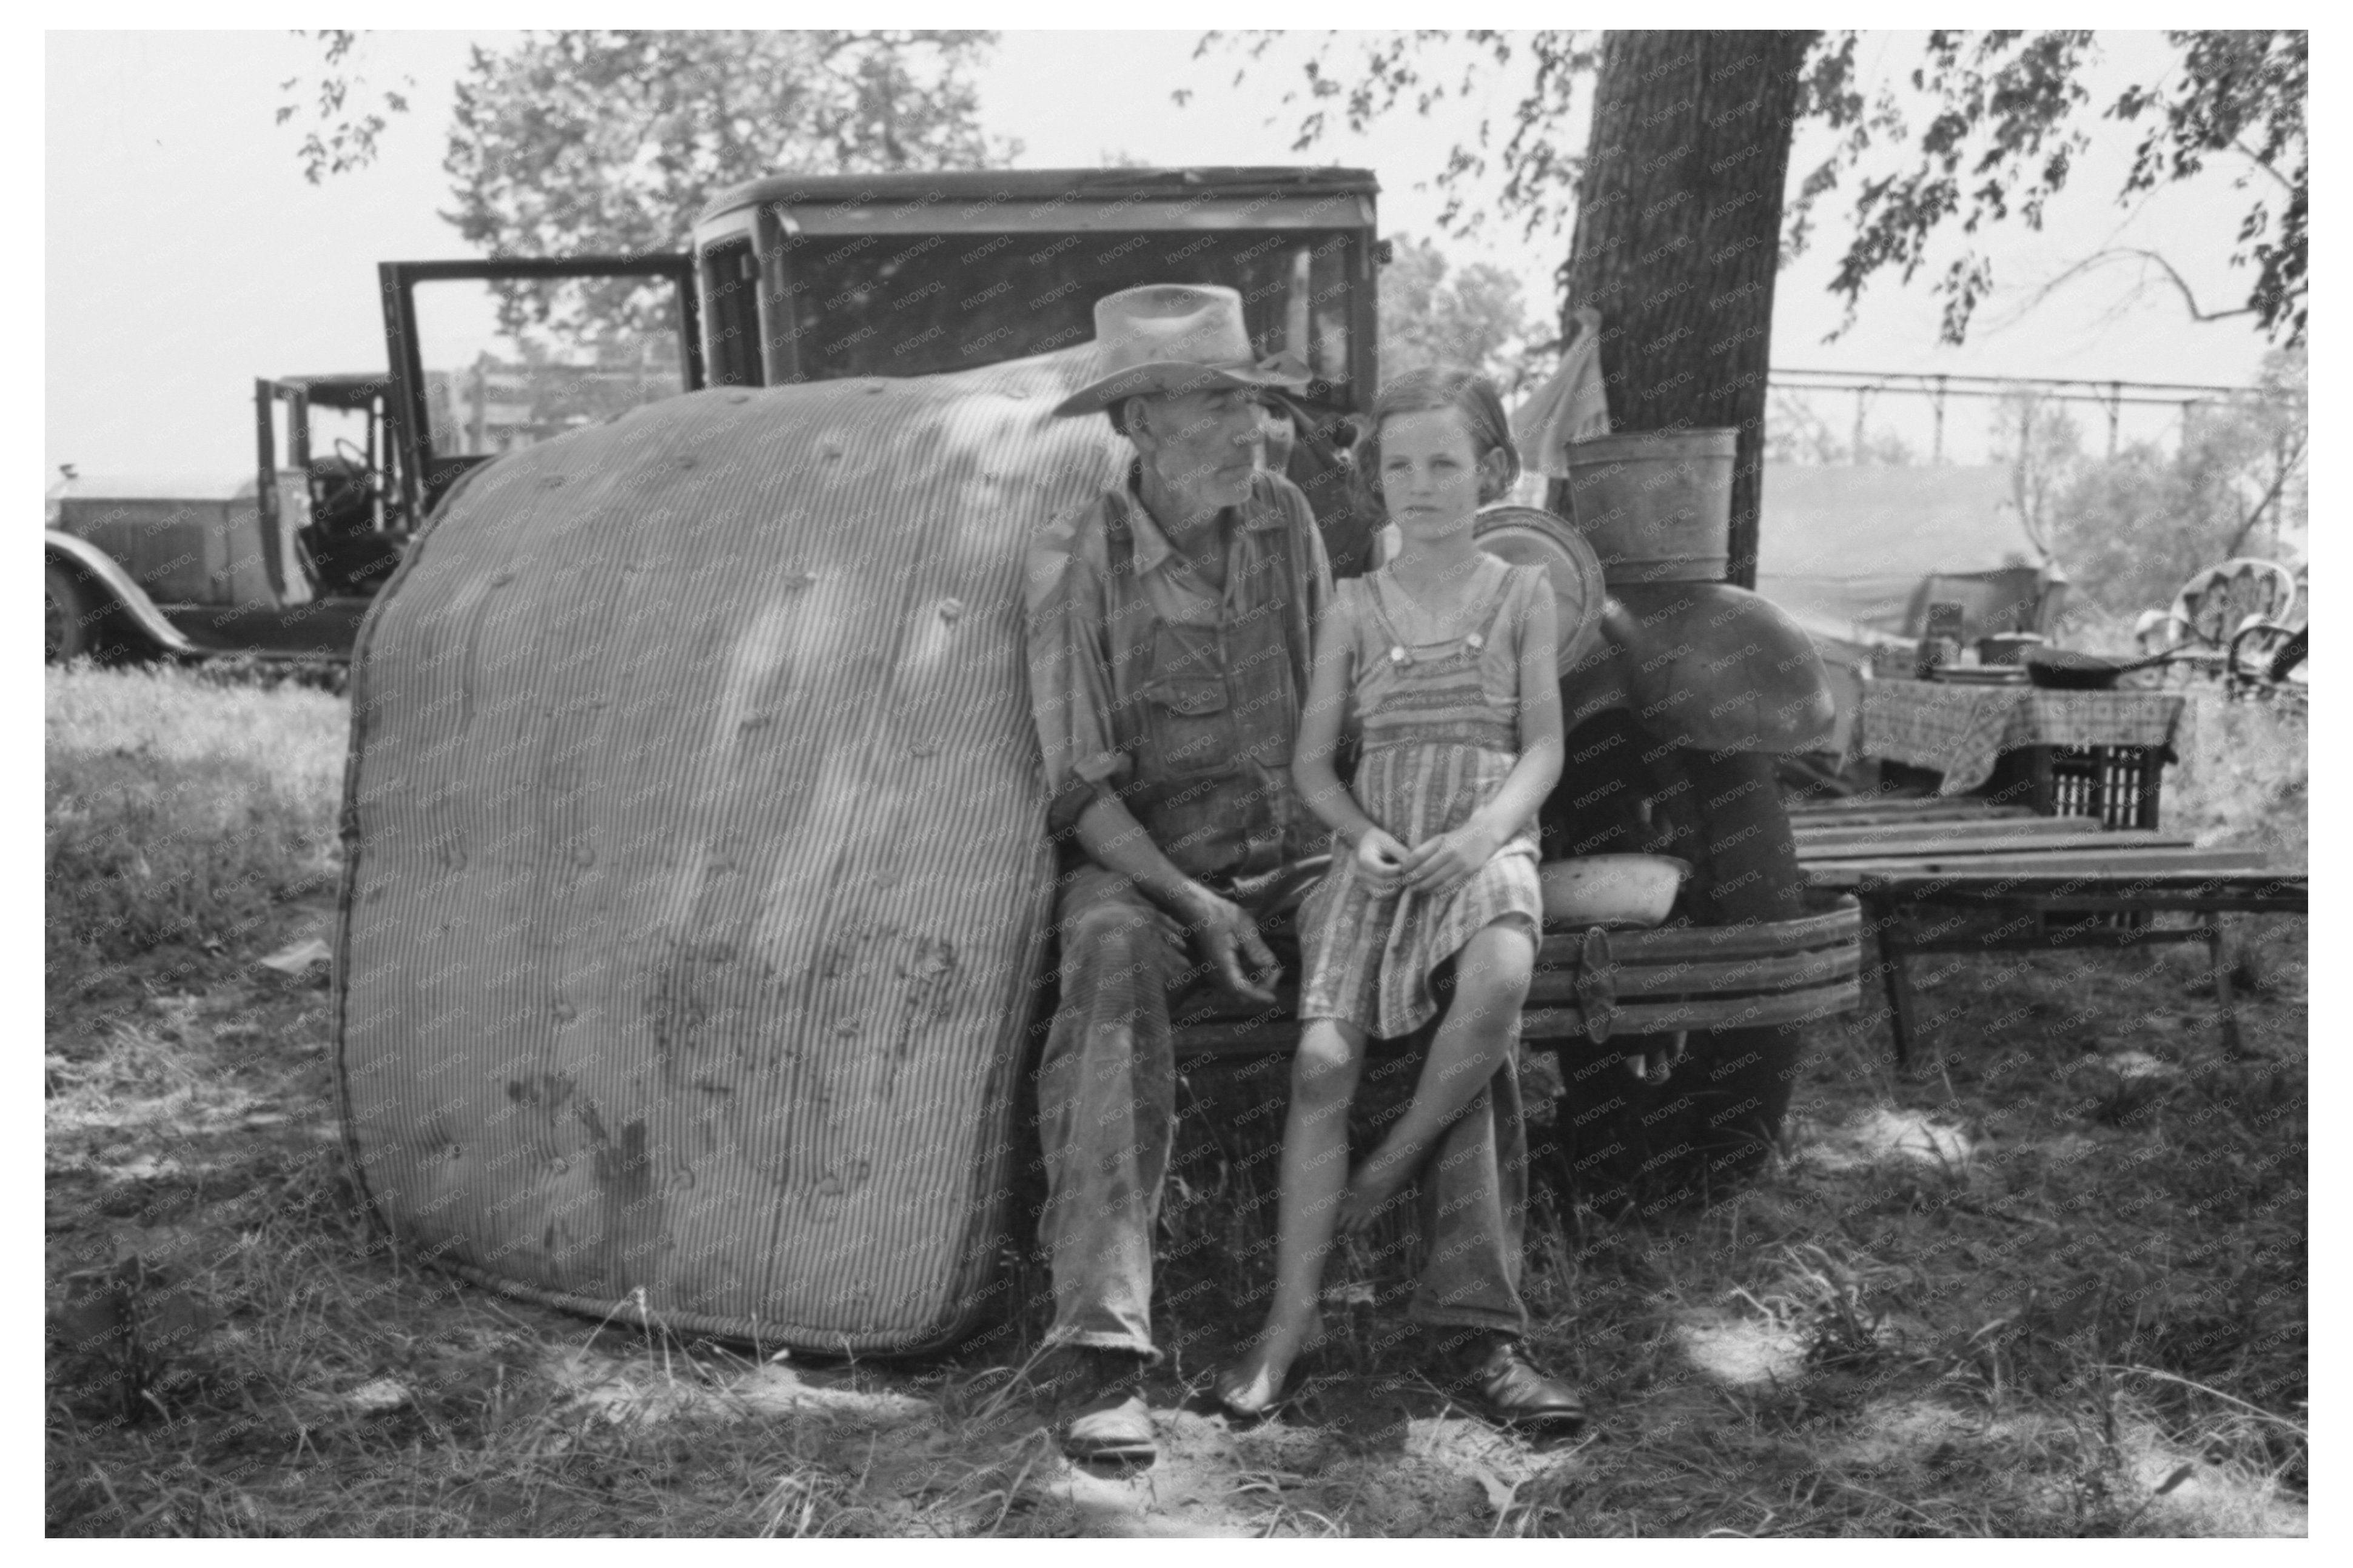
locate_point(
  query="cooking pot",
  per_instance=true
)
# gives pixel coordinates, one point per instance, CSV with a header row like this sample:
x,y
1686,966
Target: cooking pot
x,y
2064,669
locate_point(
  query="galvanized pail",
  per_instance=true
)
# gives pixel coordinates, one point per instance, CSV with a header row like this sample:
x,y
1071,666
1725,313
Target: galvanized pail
x,y
1656,505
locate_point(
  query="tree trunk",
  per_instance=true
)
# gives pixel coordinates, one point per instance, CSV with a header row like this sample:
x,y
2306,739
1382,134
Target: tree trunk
x,y
1679,234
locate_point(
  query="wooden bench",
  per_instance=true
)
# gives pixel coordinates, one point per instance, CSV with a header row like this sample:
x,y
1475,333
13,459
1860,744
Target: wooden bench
x,y
1593,987
2064,882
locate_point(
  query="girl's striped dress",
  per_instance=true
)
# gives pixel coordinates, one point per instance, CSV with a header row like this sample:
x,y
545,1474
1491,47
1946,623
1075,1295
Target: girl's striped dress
x,y
1440,723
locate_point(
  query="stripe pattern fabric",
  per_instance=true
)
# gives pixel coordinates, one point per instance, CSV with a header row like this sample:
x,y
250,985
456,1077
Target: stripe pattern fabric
x,y
1441,727
696,879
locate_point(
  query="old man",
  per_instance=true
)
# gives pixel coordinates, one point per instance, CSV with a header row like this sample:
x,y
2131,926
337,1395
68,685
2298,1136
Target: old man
x,y
1170,636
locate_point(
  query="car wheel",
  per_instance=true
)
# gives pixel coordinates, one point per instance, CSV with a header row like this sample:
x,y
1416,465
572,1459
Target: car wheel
x,y
65,622
1620,1142
1726,1103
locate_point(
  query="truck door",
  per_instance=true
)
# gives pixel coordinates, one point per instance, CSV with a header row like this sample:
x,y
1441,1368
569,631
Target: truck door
x,y
487,356
281,493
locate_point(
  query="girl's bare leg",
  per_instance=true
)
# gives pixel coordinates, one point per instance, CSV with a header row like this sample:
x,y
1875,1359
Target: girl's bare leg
x,y
1314,1168
1491,984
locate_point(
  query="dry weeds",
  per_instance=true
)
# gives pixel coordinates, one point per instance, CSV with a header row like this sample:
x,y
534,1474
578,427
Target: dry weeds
x,y
2049,1281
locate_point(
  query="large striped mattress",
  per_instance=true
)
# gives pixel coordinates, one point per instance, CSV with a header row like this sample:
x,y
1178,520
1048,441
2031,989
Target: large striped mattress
x,y
696,886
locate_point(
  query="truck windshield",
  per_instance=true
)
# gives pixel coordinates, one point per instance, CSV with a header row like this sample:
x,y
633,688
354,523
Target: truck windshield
x,y
912,304
510,363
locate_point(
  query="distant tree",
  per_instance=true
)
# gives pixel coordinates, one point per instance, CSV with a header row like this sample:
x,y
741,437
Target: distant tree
x,y
2043,446
609,141
2131,530
574,142
1475,317
577,141
1795,433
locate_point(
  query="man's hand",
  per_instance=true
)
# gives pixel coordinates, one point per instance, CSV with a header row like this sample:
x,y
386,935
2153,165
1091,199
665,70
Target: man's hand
x,y
1439,864
1230,939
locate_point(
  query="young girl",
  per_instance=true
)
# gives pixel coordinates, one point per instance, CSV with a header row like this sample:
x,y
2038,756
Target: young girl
x,y
1445,658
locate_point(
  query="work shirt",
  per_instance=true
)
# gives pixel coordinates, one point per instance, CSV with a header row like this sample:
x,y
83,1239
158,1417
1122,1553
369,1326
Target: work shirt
x,y
1181,701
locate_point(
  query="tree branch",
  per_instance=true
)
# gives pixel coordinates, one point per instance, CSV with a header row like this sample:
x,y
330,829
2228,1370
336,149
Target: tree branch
x,y
2279,482
2239,145
2121,252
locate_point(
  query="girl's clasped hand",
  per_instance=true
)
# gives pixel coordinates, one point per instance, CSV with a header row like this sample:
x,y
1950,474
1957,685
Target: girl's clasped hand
x,y
1437,865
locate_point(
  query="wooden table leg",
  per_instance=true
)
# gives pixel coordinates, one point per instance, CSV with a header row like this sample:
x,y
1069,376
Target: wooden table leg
x,y
2217,951
2046,792
2152,786
1893,951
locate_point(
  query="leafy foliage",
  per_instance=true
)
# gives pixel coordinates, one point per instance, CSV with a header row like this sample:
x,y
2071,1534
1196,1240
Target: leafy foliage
x,y
592,141
1475,318
2131,530
1394,69
2241,86
350,130
2001,137
579,141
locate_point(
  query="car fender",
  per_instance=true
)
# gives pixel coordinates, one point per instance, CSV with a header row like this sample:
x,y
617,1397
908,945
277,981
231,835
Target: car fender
x,y
116,584
1707,666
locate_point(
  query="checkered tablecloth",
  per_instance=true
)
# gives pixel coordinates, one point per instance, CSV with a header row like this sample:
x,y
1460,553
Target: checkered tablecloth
x,y
1960,729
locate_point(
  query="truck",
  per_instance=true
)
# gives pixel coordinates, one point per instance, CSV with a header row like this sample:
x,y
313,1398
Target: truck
x,y
785,279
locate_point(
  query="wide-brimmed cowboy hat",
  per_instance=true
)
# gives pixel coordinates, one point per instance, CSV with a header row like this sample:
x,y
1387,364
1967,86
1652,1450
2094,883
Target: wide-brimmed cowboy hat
x,y
1175,337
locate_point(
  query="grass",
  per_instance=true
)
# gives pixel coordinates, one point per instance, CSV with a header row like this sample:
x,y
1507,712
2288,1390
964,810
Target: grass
x,y
2049,1281
181,810
2244,776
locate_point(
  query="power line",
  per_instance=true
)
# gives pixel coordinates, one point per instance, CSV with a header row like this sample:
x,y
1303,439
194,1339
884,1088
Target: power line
x,y
2108,391
2112,395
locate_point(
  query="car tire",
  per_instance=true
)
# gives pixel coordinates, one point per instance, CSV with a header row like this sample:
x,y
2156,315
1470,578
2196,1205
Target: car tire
x,y
66,616
1618,1142
1726,1105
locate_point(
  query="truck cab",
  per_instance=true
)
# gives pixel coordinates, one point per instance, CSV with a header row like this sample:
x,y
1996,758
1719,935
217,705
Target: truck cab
x,y
806,278
277,562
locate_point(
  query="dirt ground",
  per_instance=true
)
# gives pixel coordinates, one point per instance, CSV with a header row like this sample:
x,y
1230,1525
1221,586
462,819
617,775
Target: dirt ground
x,y
1747,1378
2049,1280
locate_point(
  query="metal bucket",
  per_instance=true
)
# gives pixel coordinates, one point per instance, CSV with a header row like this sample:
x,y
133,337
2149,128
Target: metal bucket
x,y
1656,505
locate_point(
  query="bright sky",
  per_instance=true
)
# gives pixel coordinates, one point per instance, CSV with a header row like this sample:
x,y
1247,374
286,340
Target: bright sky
x,y
187,254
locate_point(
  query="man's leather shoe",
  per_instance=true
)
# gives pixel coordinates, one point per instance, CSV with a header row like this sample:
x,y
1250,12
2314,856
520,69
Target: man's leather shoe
x,y
1113,1429
1507,1388
1107,1420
